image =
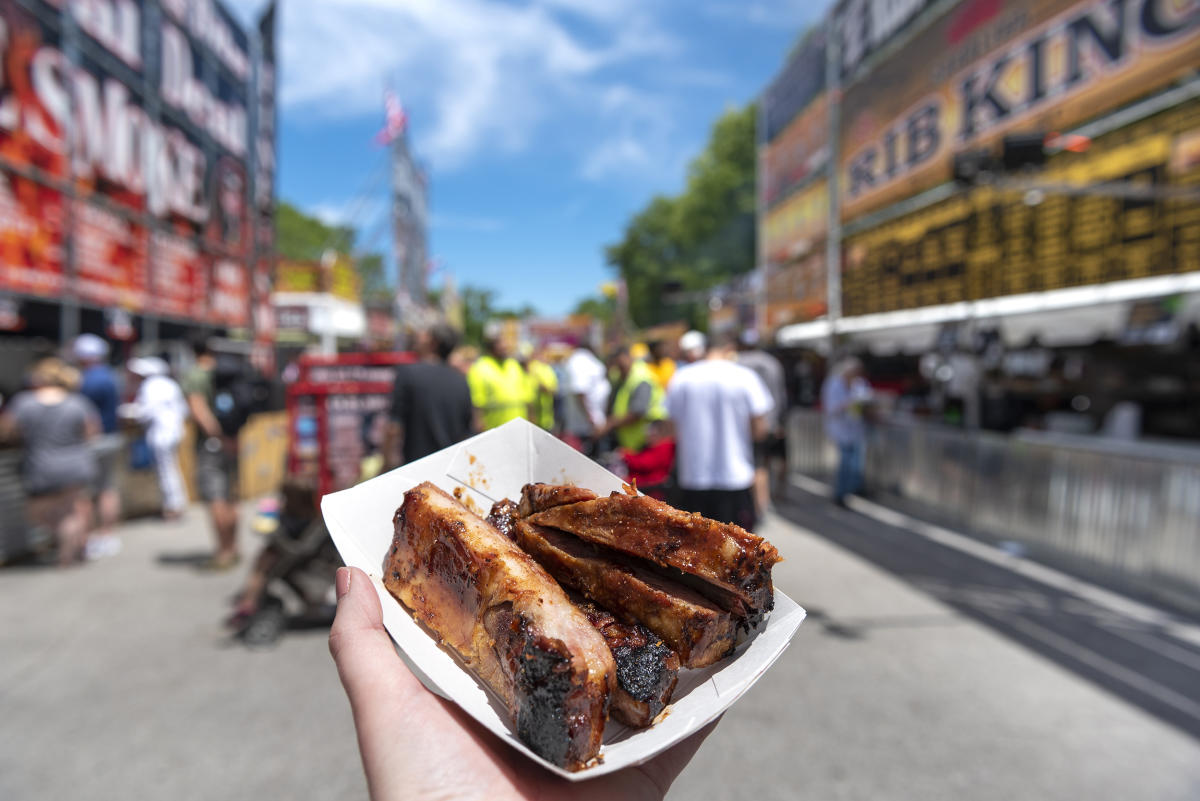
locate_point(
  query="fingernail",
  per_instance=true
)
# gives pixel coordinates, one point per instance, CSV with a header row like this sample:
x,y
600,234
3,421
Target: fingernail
x,y
342,581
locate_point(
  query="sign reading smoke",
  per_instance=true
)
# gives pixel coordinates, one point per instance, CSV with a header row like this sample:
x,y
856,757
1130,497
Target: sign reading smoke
x,y
137,113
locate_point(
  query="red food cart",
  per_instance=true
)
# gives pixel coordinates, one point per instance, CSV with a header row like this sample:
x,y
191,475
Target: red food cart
x,y
337,410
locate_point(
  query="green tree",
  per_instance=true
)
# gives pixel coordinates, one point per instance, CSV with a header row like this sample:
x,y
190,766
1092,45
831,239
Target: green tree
x,y
302,237
476,311
601,308
373,276
479,306
705,235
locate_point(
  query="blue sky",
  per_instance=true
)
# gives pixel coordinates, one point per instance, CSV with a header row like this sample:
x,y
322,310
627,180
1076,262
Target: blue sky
x,y
543,125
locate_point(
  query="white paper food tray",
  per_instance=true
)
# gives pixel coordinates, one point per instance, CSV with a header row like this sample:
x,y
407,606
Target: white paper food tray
x,y
495,465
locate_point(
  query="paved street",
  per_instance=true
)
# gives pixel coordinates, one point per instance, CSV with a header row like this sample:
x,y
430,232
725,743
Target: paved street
x,y
116,682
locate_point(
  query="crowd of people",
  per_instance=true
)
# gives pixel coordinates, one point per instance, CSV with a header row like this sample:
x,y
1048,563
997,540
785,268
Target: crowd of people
x,y
695,422
78,414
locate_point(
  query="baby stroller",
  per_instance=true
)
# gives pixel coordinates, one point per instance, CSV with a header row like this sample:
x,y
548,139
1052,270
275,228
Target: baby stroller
x,y
293,571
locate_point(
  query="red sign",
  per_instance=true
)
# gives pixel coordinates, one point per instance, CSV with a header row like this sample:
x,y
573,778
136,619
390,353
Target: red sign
x,y
229,293
31,236
179,285
137,127
110,258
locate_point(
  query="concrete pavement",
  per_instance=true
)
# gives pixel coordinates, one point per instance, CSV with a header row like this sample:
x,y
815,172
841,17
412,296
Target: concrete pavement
x,y
116,682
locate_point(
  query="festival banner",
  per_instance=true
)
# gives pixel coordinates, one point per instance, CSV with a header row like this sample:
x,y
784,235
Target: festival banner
x,y
799,152
229,292
297,276
865,27
32,137
798,225
145,122
796,292
986,69
32,219
110,257
179,279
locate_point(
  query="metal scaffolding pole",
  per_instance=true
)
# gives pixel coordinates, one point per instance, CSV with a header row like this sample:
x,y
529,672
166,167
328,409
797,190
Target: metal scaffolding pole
x,y
833,235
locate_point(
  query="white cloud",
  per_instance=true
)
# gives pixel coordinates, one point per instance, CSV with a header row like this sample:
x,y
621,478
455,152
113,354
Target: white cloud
x,y
791,14
485,72
622,153
638,139
367,214
330,213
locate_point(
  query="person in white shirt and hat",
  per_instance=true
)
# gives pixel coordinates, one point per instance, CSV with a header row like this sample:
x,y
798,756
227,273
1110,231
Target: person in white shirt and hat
x,y
692,347
160,406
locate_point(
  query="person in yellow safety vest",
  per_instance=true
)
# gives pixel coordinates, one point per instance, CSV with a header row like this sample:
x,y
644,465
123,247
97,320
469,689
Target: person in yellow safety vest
x,y
637,401
543,386
499,388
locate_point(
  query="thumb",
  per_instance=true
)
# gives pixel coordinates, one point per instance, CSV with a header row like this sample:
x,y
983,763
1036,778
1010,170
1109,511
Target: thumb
x,y
362,650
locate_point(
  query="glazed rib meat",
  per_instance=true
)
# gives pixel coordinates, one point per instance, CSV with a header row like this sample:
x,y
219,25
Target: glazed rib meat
x,y
509,621
647,669
734,561
691,625
540,497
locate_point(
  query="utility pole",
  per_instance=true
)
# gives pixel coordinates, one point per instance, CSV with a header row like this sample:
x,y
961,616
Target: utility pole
x,y
328,335
833,233
760,211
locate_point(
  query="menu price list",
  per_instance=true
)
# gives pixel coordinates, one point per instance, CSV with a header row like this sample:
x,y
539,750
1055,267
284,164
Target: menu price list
x,y
993,243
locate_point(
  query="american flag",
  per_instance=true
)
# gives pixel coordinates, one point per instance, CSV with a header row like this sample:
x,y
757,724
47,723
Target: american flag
x,y
395,119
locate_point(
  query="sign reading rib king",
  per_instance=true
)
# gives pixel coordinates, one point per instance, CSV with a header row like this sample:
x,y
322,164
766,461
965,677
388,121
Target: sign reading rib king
x,y
984,69
125,131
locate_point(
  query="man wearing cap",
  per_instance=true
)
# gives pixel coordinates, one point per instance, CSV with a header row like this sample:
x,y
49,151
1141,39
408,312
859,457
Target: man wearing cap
x,y
719,411
499,388
100,387
692,346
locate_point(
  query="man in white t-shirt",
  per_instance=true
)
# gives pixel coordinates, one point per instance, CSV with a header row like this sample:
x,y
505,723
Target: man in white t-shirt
x,y
586,387
720,410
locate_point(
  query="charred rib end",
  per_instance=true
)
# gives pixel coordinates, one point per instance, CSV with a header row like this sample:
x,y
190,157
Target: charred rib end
x,y
544,683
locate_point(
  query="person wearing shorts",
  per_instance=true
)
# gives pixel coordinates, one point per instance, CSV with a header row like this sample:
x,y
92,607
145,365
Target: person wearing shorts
x,y
54,424
99,385
216,458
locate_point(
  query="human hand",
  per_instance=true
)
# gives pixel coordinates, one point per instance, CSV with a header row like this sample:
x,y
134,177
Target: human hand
x,y
415,745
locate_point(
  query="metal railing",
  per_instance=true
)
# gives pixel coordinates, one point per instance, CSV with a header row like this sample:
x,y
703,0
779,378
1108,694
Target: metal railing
x,y
1125,513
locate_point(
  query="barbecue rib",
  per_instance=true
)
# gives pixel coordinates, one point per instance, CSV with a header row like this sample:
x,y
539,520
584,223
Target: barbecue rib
x,y
647,669
507,619
730,558
539,497
691,625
